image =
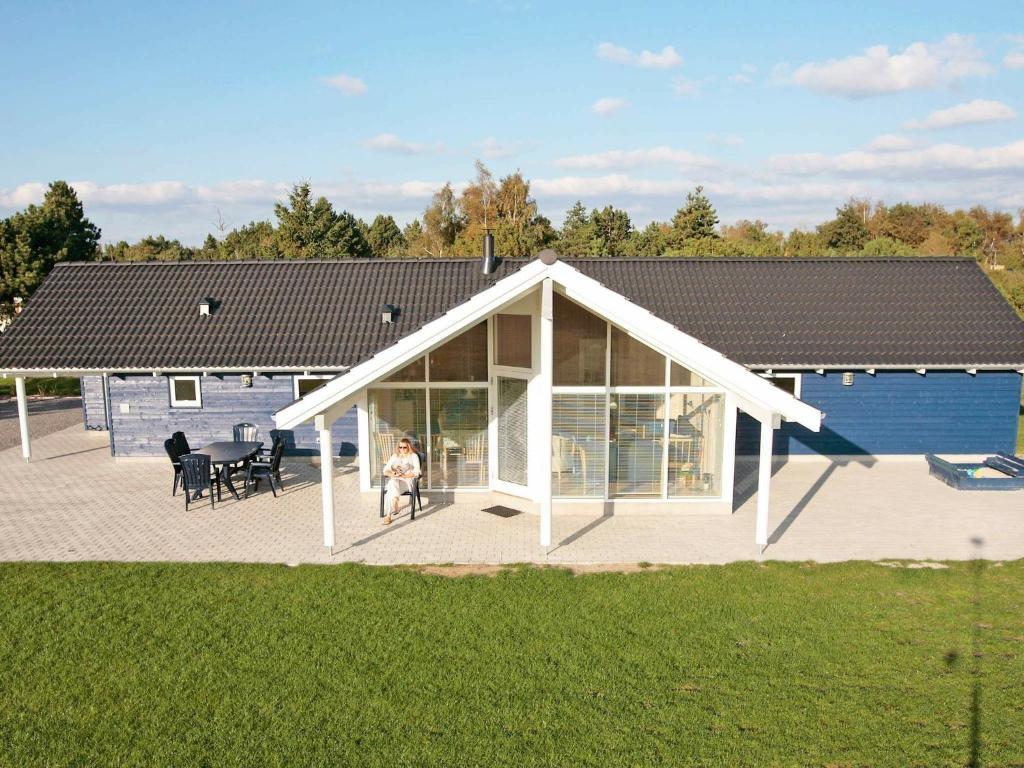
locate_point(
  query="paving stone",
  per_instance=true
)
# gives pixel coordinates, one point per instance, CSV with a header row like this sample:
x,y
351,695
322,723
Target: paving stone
x,y
74,502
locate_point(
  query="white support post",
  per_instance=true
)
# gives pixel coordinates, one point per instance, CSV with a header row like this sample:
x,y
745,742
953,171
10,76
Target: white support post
x,y
19,387
326,479
543,433
764,481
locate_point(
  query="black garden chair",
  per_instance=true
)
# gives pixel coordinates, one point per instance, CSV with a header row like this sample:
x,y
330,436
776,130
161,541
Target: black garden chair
x,y
197,476
269,467
413,492
172,454
181,446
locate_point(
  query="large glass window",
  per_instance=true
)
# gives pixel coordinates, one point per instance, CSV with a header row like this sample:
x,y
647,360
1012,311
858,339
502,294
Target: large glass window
x,y
636,430
513,341
578,444
464,358
634,364
394,414
696,431
580,343
458,436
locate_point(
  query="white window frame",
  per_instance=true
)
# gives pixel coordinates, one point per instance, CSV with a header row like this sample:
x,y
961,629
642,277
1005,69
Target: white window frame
x,y
175,402
307,377
797,380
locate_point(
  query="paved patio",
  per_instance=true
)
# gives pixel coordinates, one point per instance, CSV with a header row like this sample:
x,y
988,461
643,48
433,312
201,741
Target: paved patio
x,y
74,502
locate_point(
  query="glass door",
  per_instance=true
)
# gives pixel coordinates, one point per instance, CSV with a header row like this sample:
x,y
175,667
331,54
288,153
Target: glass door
x,y
511,434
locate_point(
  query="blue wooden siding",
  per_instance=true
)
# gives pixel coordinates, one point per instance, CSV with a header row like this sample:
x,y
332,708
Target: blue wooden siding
x,y
151,420
897,412
94,412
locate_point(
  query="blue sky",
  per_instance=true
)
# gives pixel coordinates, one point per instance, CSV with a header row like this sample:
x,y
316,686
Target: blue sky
x,y
163,114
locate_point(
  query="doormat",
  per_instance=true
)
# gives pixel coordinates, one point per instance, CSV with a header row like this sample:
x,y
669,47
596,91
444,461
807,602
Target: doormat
x,y
502,511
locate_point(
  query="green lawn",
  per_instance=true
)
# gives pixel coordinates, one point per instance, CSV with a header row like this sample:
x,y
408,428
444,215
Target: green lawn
x,y
42,386
748,664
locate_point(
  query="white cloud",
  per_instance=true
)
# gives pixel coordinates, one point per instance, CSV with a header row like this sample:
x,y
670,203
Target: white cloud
x,y
347,84
977,111
745,76
890,142
683,86
724,140
495,150
389,142
1014,60
877,71
615,159
935,161
667,58
608,106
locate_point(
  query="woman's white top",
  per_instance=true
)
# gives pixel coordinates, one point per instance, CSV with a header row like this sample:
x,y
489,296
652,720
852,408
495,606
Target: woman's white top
x,y
404,465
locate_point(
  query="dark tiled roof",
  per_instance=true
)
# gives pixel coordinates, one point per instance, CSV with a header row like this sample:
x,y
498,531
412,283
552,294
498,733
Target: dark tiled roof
x,y
281,314
827,311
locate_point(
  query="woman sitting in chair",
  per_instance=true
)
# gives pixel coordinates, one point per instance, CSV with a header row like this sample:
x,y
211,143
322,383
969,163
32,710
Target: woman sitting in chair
x,y
402,468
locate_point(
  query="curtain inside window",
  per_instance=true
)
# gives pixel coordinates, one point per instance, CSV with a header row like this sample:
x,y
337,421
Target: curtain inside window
x,y
512,436
578,445
636,427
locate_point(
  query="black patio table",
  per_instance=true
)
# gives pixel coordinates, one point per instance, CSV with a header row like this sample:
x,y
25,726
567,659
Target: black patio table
x,y
226,453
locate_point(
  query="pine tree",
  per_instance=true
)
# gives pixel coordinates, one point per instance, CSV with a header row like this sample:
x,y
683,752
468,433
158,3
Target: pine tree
x,y
695,221
384,236
33,240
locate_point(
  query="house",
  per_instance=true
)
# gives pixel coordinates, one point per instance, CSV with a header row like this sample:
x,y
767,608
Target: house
x,y
617,384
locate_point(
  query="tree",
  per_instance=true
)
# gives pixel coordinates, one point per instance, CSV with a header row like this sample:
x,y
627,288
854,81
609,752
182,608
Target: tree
x,y
347,238
887,246
442,222
801,243
255,240
310,229
149,248
613,230
751,238
33,240
695,221
652,240
847,233
577,236
415,239
384,237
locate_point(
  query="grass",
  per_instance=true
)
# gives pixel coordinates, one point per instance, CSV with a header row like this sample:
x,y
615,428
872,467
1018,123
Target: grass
x,y
747,664
42,386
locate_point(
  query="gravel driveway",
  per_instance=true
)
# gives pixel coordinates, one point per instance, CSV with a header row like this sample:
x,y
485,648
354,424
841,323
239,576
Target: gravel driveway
x,y
45,415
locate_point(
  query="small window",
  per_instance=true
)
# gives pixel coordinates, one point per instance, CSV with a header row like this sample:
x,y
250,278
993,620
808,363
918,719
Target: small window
x,y
684,377
787,382
306,384
513,343
185,392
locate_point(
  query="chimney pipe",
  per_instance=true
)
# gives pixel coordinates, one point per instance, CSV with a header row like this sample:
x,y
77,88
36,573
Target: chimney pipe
x,y
490,264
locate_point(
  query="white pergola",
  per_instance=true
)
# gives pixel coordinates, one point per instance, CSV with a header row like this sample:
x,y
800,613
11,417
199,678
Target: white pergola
x,y
752,393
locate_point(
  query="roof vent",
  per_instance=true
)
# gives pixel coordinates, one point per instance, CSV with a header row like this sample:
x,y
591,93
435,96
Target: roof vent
x,y
388,313
490,263
205,307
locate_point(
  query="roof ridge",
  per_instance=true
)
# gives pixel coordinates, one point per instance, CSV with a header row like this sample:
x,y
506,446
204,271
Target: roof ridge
x,y
522,260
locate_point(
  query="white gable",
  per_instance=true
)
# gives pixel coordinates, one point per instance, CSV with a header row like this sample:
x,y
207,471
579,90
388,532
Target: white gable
x,y
757,396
